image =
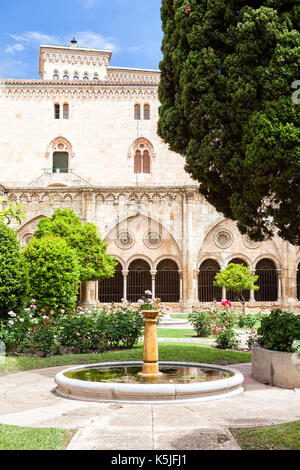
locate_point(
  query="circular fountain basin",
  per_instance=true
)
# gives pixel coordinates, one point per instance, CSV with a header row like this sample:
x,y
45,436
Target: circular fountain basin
x,y
120,382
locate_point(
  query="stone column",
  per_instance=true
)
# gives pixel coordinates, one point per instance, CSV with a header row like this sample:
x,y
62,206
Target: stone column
x,y
88,293
252,292
83,207
279,285
125,275
190,297
180,285
153,275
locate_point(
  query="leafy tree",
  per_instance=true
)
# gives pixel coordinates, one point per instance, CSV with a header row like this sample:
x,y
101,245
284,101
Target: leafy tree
x,y
237,278
94,262
226,105
11,212
53,273
14,285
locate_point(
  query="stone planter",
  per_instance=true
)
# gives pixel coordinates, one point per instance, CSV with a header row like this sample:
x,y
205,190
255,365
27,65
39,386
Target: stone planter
x,y
280,369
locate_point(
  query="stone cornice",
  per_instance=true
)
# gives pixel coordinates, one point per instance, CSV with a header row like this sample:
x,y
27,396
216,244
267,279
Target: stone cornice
x,y
111,194
39,88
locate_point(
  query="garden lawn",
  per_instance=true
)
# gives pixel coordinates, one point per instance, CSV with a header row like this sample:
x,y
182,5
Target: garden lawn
x,y
280,437
167,352
174,333
181,316
21,438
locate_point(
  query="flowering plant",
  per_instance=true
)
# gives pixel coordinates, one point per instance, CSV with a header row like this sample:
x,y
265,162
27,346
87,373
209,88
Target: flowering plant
x,y
148,302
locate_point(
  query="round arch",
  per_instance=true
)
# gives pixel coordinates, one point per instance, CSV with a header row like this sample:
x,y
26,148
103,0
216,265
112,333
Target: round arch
x,y
267,280
136,213
207,292
139,279
167,281
166,257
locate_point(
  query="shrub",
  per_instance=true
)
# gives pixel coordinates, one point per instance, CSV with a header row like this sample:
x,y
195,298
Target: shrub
x,y
247,321
123,327
226,339
279,330
53,273
83,332
201,322
14,285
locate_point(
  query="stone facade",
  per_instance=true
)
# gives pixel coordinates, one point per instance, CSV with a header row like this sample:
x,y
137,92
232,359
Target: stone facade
x,y
101,136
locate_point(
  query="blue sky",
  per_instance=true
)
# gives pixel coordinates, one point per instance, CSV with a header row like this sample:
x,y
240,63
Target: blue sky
x,y
130,28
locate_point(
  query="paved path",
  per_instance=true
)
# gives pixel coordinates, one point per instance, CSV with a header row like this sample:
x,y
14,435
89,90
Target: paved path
x,y
29,399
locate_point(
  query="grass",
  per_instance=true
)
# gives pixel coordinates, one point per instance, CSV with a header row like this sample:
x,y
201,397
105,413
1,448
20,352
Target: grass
x,y
21,438
182,316
280,437
175,333
183,352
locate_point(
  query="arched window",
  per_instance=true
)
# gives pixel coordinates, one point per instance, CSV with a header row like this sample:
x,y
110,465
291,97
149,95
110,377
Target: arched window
x,y
96,77
66,111
142,161
167,281
85,76
139,280
137,112
138,162
233,296
76,76
207,292
267,281
298,282
66,75
56,111
111,290
60,162
56,75
146,112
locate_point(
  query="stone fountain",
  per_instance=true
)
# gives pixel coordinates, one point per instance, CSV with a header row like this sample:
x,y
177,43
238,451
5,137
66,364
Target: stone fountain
x,y
149,381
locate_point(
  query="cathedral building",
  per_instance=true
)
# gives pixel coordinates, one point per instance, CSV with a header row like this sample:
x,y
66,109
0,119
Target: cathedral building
x,y
84,136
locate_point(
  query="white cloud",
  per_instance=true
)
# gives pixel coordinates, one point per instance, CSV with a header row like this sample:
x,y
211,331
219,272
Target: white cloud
x,y
94,41
15,48
84,38
35,37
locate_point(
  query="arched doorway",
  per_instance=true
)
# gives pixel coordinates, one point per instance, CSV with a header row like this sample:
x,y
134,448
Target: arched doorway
x,y
167,281
207,292
267,281
139,280
233,296
111,290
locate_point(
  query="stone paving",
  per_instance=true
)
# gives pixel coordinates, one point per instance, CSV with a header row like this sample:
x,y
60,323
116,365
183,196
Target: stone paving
x,y
29,399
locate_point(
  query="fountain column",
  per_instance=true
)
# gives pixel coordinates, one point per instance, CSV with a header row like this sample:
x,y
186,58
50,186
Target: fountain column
x,y
150,354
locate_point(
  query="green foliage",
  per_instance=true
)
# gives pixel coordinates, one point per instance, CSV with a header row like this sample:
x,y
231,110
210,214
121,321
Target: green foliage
x,y
279,330
91,330
95,264
13,272
201,323
53,273
123,327
11,212
226,106
236,277
227,339
247,321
